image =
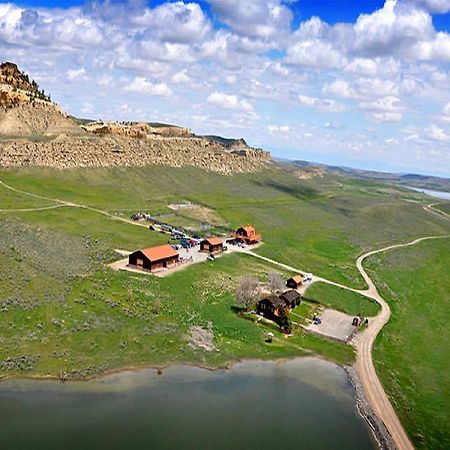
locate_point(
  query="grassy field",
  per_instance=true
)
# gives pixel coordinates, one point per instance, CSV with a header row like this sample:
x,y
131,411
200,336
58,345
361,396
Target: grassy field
x,y
444,207
346,301
319,225
412,352
105,320
62,310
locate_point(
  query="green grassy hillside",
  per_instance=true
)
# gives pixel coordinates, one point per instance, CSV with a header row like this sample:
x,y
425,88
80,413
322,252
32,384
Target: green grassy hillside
x,y
346,301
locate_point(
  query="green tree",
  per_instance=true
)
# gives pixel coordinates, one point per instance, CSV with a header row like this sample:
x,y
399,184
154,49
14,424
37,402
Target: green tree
x,y
284,321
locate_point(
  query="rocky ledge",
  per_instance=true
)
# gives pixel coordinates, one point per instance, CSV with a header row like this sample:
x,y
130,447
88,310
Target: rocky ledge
x,y
72,152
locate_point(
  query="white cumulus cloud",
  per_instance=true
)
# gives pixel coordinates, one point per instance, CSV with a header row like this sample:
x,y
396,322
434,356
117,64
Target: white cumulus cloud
x,y
229,101
141,85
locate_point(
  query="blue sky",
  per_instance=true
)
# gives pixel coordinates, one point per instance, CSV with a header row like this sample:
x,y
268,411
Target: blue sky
x,y
365,84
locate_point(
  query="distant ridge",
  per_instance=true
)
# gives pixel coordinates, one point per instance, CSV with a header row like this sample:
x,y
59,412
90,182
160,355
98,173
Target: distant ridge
x,y
412,179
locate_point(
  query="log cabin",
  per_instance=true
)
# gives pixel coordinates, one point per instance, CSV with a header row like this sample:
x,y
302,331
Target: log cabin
x,y
212,245
294,282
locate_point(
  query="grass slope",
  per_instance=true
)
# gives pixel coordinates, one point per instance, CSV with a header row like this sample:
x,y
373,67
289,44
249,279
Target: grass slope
x,y
346,301
412,351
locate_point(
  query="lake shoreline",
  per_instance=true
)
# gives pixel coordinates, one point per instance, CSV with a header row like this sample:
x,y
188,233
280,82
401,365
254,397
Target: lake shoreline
x,y
160,368
377,427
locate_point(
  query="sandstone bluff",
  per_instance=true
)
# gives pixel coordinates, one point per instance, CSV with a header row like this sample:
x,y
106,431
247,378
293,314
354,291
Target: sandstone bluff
x,y
34,131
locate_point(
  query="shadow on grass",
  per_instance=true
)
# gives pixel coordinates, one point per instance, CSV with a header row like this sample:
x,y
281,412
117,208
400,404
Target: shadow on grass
x,y
300,192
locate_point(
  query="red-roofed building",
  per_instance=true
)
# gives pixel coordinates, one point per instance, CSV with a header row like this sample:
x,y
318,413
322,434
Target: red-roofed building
x,y
154,258
212,245
248,234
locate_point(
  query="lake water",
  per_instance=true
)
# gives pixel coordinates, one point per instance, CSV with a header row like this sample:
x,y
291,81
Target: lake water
x,y
431,193
299,404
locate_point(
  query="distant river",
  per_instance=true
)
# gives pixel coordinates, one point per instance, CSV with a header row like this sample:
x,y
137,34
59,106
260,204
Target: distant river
x,y
431,193
299,404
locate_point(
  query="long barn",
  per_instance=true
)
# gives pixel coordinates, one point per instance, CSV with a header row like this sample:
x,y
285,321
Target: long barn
x,y
154,258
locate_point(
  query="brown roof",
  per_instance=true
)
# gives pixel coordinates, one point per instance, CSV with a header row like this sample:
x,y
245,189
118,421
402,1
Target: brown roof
x,y
274,300
297,278
290,295
159,252
249,229
214,241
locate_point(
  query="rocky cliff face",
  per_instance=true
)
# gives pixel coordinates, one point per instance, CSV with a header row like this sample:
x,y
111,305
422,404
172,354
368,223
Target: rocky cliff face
x,y
71,152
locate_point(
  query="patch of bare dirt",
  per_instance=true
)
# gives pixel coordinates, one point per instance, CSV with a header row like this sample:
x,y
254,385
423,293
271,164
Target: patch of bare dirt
x,y
202,338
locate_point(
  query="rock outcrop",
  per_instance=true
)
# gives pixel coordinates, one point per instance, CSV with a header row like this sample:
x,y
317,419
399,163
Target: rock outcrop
x,y
135,130
71,152
25,110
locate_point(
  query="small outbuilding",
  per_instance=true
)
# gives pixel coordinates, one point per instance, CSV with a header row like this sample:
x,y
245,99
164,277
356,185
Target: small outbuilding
x,y
295,282
248,235
154,258
212,245
291,298
269,306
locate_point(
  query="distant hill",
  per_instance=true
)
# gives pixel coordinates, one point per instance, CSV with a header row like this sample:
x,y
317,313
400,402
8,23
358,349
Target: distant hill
x,y
404,179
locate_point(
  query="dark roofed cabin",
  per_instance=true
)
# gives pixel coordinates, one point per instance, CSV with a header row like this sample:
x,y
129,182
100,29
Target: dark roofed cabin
x,y
294,282
154,258
269,306
291,298
211,245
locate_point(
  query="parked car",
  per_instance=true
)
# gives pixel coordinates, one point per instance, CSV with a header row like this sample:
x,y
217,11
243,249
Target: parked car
x,y
211,257
225,248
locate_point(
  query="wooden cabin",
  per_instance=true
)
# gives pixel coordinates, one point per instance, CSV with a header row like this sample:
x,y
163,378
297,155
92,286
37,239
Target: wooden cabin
x,y
294,282
291,298
154,258
269,306
248,235
211,245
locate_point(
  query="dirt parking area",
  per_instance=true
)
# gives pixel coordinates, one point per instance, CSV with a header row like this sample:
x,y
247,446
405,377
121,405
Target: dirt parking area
x,y
335,324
